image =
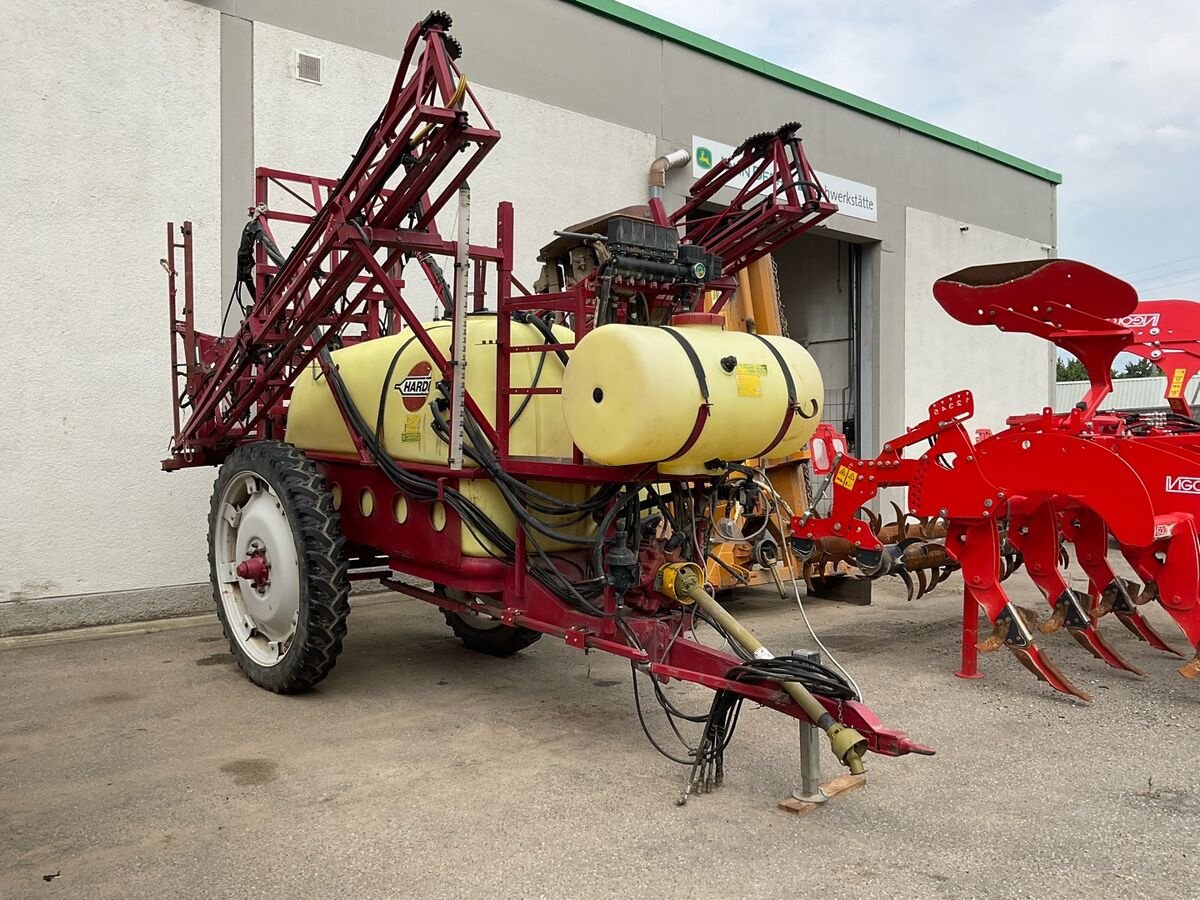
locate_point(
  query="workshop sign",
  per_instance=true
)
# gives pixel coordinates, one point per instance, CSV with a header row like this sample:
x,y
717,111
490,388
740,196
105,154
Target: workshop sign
x,y
854,199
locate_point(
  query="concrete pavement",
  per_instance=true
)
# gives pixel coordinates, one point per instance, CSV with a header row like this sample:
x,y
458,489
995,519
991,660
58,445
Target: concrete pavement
x,y
146,765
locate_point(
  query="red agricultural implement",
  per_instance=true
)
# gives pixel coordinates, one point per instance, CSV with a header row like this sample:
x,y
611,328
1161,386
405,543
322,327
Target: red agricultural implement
x,y
1079,478
547,460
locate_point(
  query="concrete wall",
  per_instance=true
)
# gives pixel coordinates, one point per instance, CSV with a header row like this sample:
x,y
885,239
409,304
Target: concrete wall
x,y
1008,373
110,112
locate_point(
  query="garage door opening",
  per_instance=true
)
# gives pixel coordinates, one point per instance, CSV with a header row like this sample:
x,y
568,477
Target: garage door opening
x,y
820,287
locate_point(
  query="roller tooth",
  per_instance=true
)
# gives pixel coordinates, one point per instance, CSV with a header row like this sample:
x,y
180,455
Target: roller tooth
x,y
875,520
908,582
922,584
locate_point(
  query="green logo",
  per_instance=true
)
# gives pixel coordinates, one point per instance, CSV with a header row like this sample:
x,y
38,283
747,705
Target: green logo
x,y
704,157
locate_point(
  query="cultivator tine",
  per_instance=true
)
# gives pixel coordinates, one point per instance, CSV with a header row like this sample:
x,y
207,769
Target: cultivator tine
x,y
1005,627
1092,641
1071,609
901,519
908,582
1117,598
1013,629
1032,658
1144,631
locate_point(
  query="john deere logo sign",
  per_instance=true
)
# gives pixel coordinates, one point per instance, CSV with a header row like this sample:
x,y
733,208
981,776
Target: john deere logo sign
x,y
853,199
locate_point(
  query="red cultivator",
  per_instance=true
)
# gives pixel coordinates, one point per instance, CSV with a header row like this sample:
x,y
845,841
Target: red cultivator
x,y
1078,478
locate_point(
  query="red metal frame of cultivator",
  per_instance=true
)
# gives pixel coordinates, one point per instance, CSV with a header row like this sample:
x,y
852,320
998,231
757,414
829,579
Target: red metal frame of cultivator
x,y
1167,332
343,280
1080,476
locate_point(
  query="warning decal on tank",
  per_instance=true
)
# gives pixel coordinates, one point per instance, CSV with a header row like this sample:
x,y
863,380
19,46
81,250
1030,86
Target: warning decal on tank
x,y
1177,378
416,386
749,379
412,429
845,477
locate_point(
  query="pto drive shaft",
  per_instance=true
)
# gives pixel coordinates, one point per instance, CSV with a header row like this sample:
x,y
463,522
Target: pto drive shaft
x,y
683,580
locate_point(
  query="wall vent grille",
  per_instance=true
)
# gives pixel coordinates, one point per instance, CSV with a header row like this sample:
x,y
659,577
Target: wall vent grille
x,y
308,67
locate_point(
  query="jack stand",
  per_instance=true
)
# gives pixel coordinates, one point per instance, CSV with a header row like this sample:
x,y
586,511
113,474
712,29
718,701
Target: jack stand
x,y
969,667
812,793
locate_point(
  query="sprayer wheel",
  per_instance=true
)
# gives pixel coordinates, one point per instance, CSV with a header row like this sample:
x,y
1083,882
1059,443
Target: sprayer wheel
x,y
484,634
284,614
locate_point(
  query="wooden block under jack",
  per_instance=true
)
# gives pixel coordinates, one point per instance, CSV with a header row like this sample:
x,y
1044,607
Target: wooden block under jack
x,y
855,591
843,784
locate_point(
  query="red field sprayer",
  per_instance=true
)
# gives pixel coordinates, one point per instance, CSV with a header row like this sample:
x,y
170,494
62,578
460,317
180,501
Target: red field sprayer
x,y
1047,482
548,463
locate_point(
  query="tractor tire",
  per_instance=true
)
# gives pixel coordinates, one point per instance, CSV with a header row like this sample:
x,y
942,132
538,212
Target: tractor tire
x,y
484,634
285,624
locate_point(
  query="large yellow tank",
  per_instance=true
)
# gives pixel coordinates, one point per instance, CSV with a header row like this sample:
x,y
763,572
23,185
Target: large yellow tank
x,y
631,394
314,422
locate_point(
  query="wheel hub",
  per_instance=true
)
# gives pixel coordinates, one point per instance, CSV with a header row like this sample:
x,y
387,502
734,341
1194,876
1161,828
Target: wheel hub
x,y
256,570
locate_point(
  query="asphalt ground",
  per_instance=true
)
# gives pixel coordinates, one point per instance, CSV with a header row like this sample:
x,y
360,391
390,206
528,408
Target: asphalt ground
x,y
144,765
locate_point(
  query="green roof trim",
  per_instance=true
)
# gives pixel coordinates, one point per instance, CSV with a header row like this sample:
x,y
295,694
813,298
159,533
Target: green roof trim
x,y
669,31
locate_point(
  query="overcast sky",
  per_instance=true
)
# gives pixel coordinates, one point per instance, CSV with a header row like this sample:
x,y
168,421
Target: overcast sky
x,y
1105,92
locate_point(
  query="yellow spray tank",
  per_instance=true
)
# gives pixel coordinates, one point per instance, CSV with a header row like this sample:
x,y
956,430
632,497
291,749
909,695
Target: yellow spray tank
x,y
397,370
633,394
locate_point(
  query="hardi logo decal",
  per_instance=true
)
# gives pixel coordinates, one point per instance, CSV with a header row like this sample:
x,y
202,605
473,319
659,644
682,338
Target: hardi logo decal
x,y
1139,320
1183,484
416,386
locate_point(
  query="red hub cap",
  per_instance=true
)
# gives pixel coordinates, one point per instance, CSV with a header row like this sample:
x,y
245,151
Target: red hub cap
x,y
255,570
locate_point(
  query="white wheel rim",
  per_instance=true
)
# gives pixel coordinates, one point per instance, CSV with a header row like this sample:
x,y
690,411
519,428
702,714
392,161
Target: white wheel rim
x,y
262,615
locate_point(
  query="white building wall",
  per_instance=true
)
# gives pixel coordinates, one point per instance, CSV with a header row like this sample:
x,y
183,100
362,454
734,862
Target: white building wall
x,y
558,167
110,127
1007,373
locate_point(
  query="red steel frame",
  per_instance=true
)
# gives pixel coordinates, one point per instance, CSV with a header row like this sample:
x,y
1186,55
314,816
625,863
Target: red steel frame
x,y
333,282
1081,474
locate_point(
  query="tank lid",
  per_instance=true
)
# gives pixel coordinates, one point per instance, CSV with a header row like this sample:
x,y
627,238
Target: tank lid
x,y
698,318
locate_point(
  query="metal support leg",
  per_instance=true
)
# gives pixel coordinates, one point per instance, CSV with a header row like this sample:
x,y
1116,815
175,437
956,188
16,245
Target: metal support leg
x,y
810,751
970,638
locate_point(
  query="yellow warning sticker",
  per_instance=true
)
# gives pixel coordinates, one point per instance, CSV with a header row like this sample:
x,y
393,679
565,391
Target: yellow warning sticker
x,y
412,429
845,477
1176,390
749,379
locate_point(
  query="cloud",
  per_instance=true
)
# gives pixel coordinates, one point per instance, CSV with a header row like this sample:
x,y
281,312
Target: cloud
x,y
1100,90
